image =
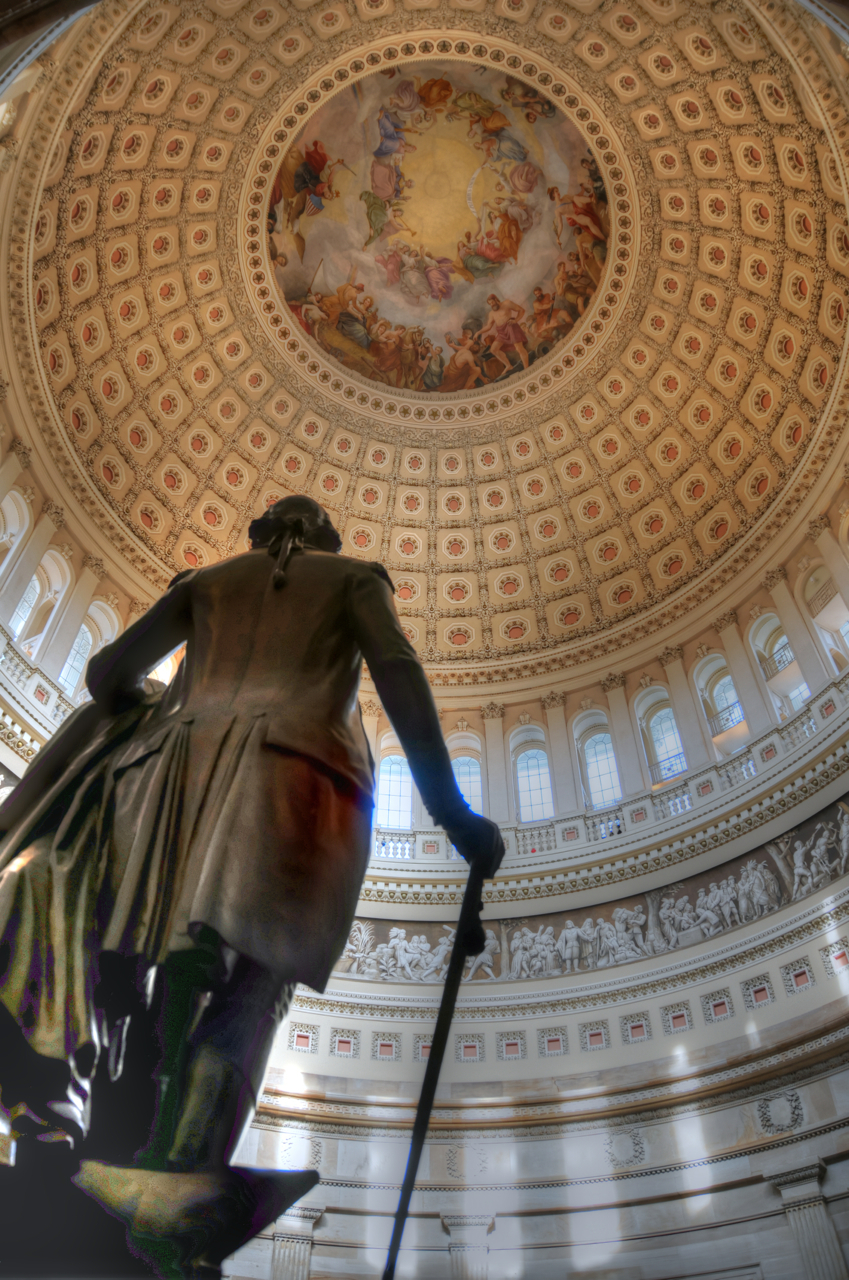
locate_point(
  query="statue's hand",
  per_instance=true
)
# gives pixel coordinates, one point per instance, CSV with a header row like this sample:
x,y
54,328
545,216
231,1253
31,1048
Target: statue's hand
x,y
478,840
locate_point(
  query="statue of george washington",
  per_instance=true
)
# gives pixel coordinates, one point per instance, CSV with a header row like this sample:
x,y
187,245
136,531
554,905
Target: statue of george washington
x,y
214,838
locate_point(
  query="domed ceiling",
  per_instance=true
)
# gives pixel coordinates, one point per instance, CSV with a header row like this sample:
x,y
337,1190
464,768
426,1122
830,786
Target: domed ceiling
x,y
546,303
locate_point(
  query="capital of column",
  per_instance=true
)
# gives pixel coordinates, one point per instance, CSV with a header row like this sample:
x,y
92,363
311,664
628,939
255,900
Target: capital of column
x,y
299,1218
97,567
776,575
554,699
672,653
798,1179
22,453
493,711
54,512
370,708
821,524
614,680
725,620
455,1221
138,607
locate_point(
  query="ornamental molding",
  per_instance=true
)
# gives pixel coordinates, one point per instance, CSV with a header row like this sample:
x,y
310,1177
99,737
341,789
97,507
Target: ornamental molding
x,y
663,1104
615,680
370,708
493,711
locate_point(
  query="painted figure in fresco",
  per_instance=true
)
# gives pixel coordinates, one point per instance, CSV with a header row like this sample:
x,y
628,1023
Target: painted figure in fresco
x,y
392,140
502,330
434,370
519,94
429,98
485,960
463,371
385,218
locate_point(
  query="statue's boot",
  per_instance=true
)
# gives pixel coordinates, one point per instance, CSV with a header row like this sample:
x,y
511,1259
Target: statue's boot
x,y
186,1224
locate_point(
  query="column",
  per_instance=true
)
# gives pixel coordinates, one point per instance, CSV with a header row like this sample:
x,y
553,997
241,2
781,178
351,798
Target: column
x,y
622,731
468,1249
370,711
562,772
496,768
16,461
290,1258
809,1220
13,583
801,642
819,531
755,710
58,641
689,730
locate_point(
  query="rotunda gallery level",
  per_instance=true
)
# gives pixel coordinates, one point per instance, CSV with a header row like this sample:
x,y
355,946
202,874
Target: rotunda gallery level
x,y
545,302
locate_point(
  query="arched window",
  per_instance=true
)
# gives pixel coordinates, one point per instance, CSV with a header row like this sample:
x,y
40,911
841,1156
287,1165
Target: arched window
x,y
602,773
467,771
535,799
666,742
26,604
724,693
395,794
69,677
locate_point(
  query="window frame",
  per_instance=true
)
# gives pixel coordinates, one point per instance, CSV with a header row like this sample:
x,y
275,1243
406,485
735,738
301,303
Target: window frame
x,y
386,758
523,749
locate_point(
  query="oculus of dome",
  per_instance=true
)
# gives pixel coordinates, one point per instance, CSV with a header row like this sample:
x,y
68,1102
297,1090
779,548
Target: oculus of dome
x,y
411,292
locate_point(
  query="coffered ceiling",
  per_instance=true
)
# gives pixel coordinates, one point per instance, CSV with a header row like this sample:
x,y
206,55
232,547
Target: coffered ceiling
x,y
172,342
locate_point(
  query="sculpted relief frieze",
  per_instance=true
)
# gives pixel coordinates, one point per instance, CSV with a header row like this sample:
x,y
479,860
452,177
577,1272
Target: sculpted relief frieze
x,y
682,914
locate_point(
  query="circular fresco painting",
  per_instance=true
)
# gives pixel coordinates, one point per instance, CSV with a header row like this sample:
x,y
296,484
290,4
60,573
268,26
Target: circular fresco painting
x,y
438,229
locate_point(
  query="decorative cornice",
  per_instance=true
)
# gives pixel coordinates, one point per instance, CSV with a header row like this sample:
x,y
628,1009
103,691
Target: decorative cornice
x,y
673,653
493,711
725,620
615,680
774,576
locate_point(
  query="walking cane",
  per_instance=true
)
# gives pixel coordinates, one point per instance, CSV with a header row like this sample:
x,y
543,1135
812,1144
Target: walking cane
x,y
469,941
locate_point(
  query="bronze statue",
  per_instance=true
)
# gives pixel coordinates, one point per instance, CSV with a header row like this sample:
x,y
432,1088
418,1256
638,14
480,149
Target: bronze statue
x,y
216,837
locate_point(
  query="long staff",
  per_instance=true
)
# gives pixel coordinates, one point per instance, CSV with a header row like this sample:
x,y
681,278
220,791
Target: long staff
x,y
468,942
